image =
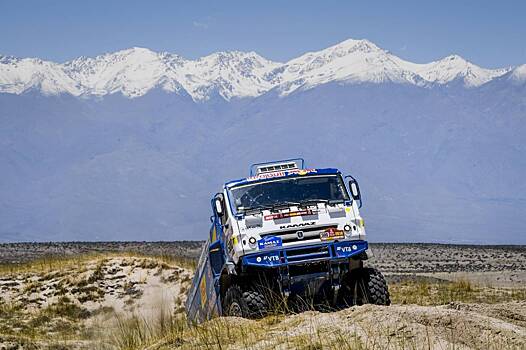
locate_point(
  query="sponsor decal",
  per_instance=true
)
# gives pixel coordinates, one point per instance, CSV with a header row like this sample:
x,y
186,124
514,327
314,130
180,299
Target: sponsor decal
x,y
267,176
331,234
346,249
271,258
289,214
281,174
301,171
270,242
267,259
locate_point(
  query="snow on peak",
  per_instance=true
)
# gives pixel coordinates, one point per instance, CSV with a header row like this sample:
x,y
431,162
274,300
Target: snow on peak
x,y
453,68
231,74
18,75
352,61
519,74
135,71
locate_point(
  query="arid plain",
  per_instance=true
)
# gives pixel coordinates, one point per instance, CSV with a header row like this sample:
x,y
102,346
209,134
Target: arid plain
x,y
130,295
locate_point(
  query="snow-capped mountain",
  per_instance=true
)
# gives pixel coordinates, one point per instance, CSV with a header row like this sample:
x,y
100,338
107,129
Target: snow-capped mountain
x,y
455,67
115,147
134,72
20,75
350,61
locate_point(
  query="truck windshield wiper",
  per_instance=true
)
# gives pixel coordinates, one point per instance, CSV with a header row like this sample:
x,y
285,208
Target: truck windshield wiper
x,y
285,204
256,208
314,201
320,200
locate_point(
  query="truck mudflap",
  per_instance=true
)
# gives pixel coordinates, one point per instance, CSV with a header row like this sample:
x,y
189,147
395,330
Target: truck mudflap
x,y
330,251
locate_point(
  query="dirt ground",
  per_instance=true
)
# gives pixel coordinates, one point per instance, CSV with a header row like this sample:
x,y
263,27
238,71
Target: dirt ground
x,y
452,326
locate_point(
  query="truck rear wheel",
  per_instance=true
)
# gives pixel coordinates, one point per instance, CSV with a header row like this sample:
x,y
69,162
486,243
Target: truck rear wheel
x,y
234,304
365,286
248,303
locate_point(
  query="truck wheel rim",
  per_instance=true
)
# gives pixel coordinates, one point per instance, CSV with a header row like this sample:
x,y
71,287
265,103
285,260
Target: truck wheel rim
x,y
235,310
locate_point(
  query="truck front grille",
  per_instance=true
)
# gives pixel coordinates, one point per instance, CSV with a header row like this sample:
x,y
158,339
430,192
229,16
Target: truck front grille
x,y
308,253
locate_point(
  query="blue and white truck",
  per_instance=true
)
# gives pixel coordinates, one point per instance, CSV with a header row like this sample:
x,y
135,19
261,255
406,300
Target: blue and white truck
x,y
289,232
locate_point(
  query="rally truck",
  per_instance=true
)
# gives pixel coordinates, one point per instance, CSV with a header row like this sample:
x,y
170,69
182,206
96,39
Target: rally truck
x,y
285,233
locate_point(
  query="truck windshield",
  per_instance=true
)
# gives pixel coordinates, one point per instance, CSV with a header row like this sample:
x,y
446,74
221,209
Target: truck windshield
x,y
289,191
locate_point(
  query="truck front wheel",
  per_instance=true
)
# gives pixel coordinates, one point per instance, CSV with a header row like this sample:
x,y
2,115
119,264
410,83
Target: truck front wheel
x,y
244,303
365,286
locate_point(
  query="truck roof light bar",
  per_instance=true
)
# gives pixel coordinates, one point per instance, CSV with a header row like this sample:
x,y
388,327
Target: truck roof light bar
x,y
279,165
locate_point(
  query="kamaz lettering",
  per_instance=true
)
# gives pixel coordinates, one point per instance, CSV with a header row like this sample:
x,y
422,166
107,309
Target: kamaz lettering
x,y
297,225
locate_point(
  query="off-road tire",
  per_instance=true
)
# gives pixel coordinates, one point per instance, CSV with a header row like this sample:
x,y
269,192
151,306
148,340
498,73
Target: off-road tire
x,y
234,304
247,304
256,302
376,289
363,286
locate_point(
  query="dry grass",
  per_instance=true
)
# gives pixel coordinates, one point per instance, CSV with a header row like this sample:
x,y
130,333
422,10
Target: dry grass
x,y
424,293
62,324
172,332
65,323
52,265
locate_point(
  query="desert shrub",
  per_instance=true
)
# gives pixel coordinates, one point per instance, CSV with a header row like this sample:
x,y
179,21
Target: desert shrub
x,y
98,273
65,308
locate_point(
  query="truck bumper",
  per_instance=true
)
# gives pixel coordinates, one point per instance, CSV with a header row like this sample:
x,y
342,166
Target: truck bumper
x,y
327,251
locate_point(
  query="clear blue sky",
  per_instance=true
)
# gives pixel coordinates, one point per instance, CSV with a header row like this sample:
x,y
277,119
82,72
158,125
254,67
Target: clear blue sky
x,y
489,33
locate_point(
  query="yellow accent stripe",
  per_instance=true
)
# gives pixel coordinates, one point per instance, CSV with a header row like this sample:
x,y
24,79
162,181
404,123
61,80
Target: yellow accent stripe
x,y
214,234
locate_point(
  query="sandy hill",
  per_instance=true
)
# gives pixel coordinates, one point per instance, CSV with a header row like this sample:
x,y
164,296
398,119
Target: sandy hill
x,y
125,301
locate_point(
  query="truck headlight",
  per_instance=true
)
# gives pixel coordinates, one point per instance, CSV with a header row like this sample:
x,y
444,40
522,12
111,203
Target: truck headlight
x,y
347,229
252,240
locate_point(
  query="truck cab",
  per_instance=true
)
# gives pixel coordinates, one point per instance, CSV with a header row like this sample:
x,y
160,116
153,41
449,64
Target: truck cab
x,y
285,233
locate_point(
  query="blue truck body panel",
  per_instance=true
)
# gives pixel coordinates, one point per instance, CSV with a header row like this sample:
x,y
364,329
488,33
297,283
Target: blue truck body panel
x,y
204,301
332,251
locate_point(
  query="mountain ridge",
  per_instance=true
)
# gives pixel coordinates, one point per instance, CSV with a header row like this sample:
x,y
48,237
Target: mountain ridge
x,y
142,139
232,74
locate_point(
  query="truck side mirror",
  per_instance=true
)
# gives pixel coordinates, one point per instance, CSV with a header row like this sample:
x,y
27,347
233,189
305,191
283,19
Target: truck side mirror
x,y
219,206
355,190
